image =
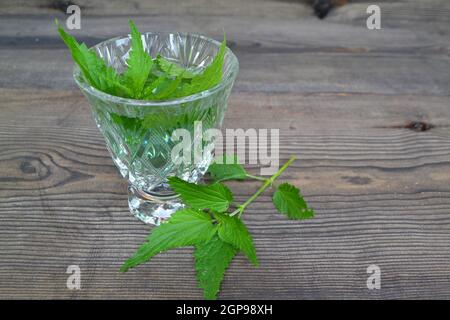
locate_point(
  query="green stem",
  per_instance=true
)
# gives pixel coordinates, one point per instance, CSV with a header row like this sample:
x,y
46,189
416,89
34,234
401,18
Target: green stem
x,y
256,177
266,184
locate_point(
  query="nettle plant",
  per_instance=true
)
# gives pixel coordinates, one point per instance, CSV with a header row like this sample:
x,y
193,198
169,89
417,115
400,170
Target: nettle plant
x,y
211,220
145,78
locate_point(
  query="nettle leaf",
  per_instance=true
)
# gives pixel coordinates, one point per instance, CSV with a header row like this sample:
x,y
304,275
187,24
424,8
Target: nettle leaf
x,y
93,68
139,64
211,260
131,129
210,77
78,53
172,69
152,87
288,200
233,231
223,171
166,88
145,77
216,197
185,227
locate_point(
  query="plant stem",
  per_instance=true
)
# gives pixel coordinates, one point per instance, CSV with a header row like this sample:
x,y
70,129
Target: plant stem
x,y
266,184
256,177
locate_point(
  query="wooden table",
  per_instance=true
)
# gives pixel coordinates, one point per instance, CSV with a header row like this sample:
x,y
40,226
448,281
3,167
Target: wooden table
x,y
366,111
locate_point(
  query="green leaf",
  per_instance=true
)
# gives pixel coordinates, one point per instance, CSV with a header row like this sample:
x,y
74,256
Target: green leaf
x,y
288,200
139,64
233,231
211,260
210,77
78,53
225,171
172,69
131,128
150,89
93,68
185,227
166,88
144,78
215,197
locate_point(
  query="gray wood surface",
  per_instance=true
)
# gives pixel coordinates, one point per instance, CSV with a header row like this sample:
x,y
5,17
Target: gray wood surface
x,y
366,112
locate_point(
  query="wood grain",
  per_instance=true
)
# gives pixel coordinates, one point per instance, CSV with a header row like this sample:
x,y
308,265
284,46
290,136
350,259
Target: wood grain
x,y
366,112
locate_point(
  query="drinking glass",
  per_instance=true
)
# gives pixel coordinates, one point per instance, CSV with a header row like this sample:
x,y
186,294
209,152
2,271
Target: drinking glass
x,y
138,133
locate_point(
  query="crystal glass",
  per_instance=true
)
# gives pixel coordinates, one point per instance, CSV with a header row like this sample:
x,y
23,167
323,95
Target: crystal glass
x,y
138,133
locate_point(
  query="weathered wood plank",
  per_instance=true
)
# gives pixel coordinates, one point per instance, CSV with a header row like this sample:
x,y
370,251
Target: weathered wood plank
x,y
326,72
381,192
433,15
430,13
259,8
328,57
307,33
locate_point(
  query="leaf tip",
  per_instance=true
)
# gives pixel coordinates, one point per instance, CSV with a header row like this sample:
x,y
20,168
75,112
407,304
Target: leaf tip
x,y
126,266
123,269
253,260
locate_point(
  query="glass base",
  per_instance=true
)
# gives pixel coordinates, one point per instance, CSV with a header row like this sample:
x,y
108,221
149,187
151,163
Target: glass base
x,y
152,208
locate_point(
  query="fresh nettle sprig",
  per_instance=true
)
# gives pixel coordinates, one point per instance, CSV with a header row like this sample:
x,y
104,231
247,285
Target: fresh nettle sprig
x,y
211,222
145,78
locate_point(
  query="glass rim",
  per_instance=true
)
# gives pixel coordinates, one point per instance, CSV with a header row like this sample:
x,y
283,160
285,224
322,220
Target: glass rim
x,y
199,95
